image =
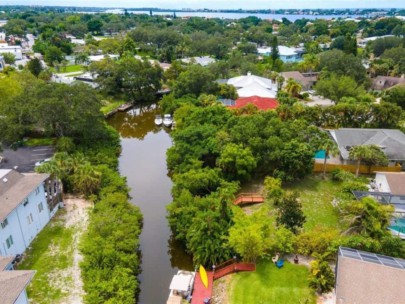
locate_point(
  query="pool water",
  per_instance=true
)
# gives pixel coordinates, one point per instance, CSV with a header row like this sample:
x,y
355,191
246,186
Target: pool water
x,y
398,225
320,154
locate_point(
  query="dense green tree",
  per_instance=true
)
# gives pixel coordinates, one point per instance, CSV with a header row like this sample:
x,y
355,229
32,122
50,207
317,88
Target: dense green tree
x,y
289,212
250,234
53,55
35,67
237,162
274,49
342,64
336,87
396,95
195,80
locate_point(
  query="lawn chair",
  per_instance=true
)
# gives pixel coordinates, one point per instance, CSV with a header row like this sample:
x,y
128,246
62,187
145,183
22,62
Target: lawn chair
x,y
280,263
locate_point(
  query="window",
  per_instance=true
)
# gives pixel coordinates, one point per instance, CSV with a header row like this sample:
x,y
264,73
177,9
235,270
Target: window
x,y
40,207
9,241
37,190
25,202
4,223
30,218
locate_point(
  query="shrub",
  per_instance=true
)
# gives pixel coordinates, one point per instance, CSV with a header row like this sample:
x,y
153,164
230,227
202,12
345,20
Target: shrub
x,y
341,175
316,241
322,278
354,185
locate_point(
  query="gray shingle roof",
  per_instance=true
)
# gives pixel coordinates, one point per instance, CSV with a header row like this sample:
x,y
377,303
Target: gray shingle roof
x,y
15,187
13,283
392,142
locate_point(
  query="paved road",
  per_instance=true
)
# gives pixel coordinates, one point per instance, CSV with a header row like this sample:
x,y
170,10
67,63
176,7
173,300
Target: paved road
x,y
24,159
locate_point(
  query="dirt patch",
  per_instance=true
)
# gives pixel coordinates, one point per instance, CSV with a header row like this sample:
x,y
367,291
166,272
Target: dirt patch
x,y
328,298
76,218
220,292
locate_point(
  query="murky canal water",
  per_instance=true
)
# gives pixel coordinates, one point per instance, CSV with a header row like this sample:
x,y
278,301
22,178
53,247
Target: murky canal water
x,y
143,163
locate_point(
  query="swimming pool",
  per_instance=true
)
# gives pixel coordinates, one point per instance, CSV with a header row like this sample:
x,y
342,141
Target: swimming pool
x,y
320,154
398,227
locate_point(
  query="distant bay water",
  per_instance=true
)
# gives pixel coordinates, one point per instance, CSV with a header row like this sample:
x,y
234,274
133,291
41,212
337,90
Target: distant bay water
x,y
223,15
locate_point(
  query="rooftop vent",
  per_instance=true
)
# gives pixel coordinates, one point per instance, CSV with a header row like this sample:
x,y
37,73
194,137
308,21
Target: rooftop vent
x,y
5,180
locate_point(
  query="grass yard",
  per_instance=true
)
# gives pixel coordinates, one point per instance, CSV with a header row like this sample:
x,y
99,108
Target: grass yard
x,y
288,285
71,68
50,254
34,142
109,105
316,196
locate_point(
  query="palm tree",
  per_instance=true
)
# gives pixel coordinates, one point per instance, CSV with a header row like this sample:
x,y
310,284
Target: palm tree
x,y
359,153
293,87
280,82
330,147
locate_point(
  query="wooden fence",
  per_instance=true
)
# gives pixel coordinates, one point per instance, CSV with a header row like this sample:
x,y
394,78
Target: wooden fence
x,y
318,167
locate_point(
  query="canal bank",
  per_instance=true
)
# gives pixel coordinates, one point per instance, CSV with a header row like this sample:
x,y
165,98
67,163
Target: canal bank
x,y
143,163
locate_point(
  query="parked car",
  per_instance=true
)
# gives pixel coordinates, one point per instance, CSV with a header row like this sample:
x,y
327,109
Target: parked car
x,y
39,163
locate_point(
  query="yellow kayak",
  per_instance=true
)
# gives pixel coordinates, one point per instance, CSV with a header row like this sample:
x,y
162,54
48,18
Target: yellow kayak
x,y
203,276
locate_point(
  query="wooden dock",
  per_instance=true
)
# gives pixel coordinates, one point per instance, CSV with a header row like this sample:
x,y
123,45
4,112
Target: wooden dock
x,y
200,293
248,198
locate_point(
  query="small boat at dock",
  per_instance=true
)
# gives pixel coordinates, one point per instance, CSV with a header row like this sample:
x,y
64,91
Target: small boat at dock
x,y
181,287
167,120
158,120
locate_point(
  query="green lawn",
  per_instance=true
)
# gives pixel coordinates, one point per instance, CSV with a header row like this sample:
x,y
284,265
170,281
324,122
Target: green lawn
x,y
34,142
110,105
288,285
316,195
50,253
69,69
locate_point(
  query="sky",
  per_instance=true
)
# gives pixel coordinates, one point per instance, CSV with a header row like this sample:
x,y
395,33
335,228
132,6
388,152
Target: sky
x,y
218,4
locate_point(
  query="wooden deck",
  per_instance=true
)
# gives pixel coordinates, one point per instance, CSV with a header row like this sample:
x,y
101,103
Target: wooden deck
x,y
200,293
248,198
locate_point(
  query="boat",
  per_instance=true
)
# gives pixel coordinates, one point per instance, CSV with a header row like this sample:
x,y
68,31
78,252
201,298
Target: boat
x,y
158,120
167,120
181,287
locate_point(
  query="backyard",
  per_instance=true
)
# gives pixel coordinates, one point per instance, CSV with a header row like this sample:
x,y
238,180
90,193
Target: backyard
x,y
55,256
268,284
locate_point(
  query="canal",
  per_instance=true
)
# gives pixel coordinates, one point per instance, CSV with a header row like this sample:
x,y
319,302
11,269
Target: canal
x,y
143,163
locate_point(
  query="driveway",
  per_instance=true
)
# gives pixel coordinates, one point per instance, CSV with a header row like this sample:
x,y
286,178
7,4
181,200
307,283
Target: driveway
x,y
24,158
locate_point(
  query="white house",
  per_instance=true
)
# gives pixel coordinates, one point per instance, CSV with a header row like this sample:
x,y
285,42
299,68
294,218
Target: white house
x,y
203,61
16,50
13,283
252,85
27,202
287,54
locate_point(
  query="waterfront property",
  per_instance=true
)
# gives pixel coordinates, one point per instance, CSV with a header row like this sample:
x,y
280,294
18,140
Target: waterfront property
x,y
368,278
251,85
13,283
27,202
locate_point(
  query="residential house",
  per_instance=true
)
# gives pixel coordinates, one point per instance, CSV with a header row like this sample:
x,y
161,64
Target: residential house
x,y
203,61
13,283
3,22
2,37
391,142
27,202
392,183
260,102
287,54
368,278
381,83
16,50
306,80
252,85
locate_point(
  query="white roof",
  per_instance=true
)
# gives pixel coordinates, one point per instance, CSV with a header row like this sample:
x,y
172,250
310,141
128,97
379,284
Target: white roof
x,y
203,61
181,282
101,57
244,81
256,89
283,50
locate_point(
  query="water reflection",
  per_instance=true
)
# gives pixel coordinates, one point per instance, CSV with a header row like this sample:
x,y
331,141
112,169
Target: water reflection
x,y
143,163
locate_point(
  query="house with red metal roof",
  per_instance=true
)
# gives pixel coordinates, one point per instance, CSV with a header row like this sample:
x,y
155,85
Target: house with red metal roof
x,y
262,103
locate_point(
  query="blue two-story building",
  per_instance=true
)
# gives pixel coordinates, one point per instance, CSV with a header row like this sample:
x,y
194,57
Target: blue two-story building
x,y
27,203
